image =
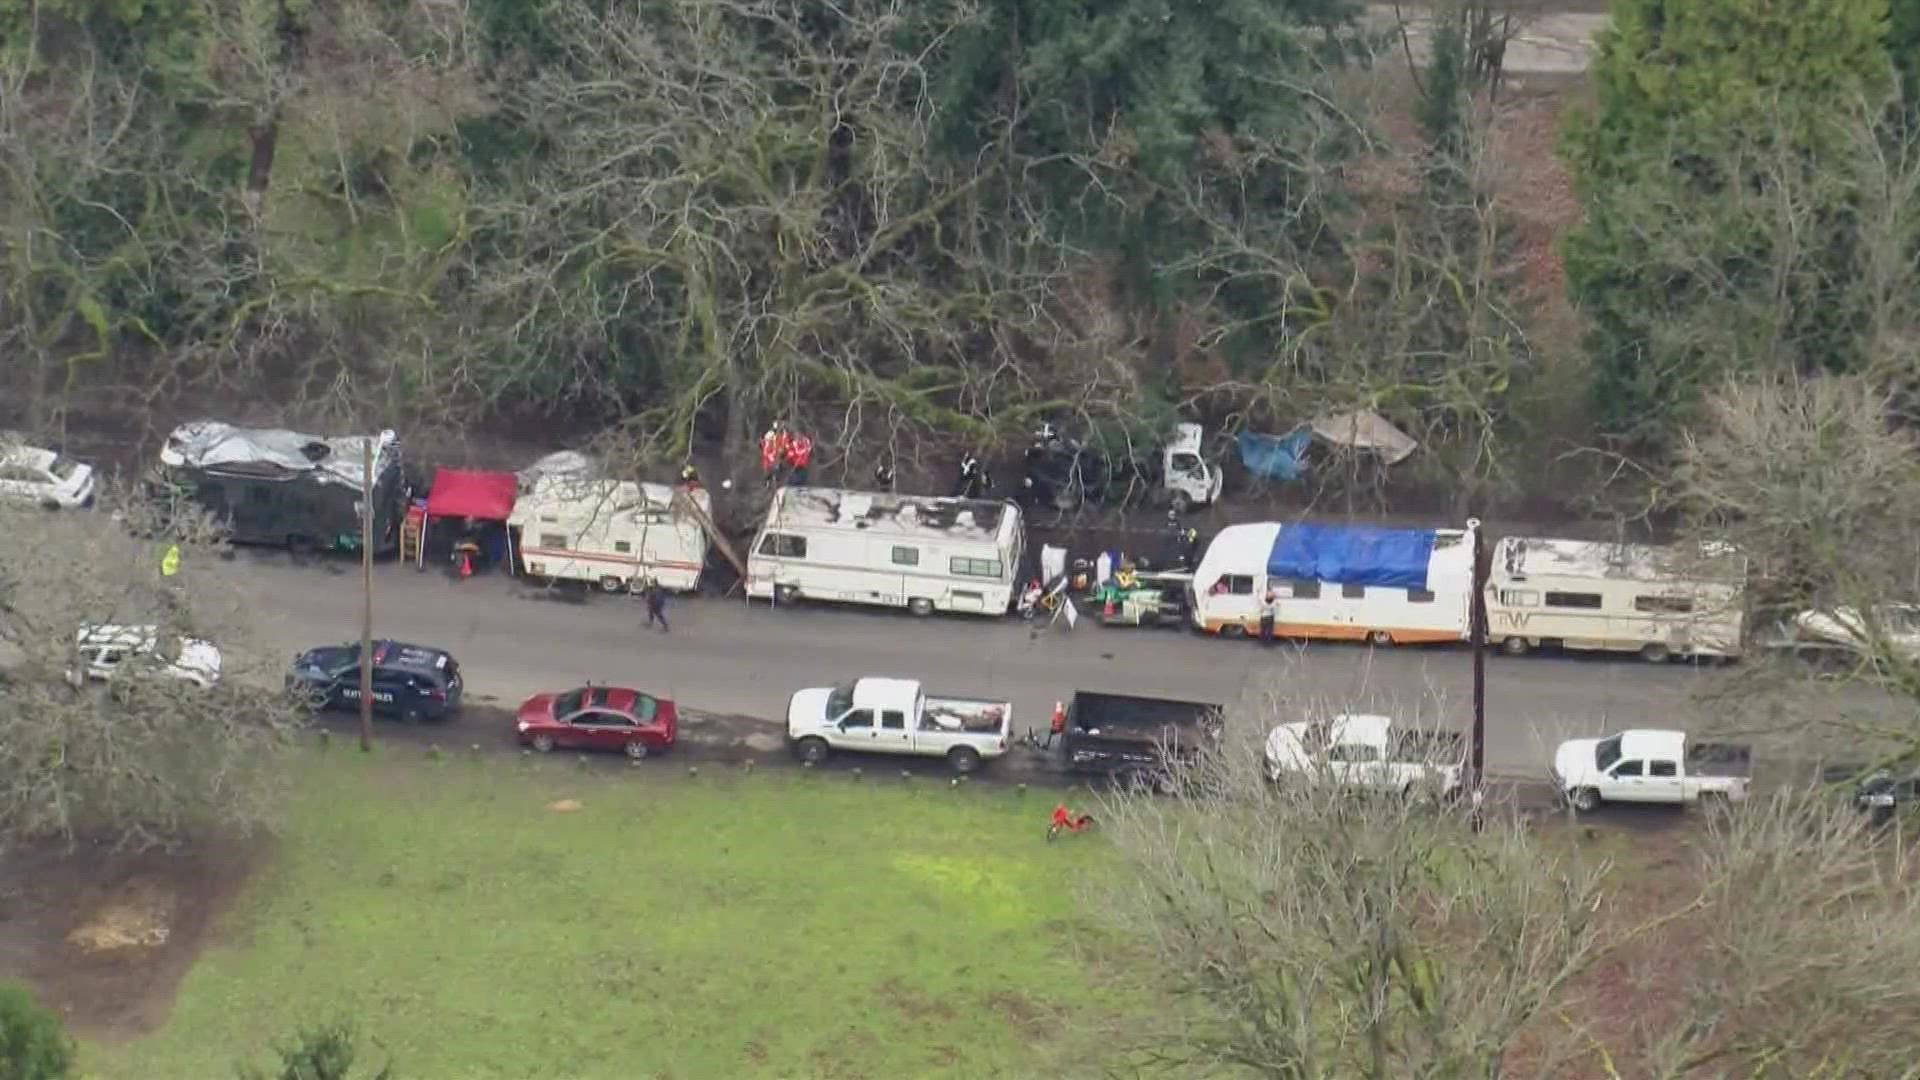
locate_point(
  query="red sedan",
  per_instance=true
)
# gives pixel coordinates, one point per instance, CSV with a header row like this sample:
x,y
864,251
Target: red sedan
x,y
598,718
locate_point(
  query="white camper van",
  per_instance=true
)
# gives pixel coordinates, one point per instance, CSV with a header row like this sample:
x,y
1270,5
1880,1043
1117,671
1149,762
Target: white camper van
x,y
921,553
1352,583
613,533
1659,602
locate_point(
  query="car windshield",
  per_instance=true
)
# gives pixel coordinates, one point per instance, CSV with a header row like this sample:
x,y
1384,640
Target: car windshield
x,y
1606,753
569,703
840,699
63,467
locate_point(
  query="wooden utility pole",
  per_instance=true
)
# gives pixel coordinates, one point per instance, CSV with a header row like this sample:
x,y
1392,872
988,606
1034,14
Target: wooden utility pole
x,y
366,599
1477,628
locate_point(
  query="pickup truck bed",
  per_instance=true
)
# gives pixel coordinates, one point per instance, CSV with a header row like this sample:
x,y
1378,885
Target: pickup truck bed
x,y
1718,759
974,715
1122,733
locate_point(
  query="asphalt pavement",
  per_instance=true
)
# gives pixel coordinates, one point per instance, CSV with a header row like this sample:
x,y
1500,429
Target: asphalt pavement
x,y
727,657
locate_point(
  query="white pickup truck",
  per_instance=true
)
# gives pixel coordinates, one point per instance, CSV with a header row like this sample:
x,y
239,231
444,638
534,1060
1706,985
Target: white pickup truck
x,y
1369,753
1649,766
895,716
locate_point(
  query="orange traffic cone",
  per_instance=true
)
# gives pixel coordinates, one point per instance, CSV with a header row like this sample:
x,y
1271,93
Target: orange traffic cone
x,y
1059,721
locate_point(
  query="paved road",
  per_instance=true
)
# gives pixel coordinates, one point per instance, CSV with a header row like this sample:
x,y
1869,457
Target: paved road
x,y
1547,43
727,657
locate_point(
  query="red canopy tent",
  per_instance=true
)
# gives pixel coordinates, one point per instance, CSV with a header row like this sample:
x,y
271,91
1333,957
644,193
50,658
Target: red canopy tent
x,y
468,493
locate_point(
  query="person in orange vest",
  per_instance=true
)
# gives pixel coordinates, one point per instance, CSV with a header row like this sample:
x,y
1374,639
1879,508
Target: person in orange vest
x,y
799,456
773,451
1056,727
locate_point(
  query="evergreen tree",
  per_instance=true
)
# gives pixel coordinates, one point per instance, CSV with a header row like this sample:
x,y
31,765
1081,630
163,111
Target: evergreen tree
x,y
1714,171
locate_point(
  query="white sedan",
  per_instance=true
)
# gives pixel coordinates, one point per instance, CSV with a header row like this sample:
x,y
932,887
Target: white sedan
x,y
108,650
30,474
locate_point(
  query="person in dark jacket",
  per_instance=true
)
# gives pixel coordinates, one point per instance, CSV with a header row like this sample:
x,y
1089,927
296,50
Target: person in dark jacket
x,y
657,606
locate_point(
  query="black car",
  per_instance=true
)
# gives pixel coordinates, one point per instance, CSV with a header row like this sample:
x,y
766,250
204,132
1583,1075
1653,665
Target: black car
x,y
1884,795
413,682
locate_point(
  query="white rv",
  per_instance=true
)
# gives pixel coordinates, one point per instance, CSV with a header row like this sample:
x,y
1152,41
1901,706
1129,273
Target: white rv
x,y
613,533
1659,602
1352,583
921,553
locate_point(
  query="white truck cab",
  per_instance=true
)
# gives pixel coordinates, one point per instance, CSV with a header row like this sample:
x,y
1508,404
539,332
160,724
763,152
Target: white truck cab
x,y
1188,479
895,716
1647,766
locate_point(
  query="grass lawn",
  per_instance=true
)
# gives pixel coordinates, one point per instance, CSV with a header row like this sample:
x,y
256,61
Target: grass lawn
x,y
724,925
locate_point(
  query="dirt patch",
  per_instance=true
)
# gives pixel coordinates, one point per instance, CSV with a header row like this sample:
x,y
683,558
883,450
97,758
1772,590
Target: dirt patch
x,y
140,917
565,806
105,938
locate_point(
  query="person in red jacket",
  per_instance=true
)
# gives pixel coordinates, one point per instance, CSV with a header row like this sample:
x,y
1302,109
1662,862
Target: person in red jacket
x,y
774,451
799,456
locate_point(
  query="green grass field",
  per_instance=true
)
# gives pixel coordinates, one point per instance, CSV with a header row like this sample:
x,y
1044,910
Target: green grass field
x,y
724,925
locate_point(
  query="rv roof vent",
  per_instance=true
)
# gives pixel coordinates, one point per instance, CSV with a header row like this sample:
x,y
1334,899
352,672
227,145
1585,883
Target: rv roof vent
x,y
963,519
315,451
909,513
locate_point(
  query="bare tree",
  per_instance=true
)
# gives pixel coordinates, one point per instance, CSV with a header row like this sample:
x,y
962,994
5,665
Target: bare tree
x,y
1310,930
1815,479
153,754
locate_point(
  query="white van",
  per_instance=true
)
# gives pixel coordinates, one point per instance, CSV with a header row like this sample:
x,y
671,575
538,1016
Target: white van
x,y
921,553
1659,602
613,533
1338,582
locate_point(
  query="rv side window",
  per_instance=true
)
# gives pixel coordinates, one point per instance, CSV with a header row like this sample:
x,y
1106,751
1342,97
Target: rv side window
x,y
1419,596
258,493
960,564
622,547
1353,592
553,540
1519,598
783,546
1303,590
906,556
1585,600
1662,605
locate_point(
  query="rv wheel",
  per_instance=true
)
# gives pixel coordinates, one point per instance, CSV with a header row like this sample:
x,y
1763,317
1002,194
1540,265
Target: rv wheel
x,y
920,605
785,594
1233,629
1655,653
1515,646
1380,638
611,584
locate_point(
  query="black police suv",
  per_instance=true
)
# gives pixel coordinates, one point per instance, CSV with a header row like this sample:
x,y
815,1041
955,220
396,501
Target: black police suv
x,y
412,682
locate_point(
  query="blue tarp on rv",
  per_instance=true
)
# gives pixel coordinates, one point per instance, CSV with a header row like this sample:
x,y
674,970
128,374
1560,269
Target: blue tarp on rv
x,y
1352,555
1276,457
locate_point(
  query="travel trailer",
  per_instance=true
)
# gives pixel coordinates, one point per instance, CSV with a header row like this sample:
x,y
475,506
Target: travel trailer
x,y
924,554
612,533
1659,602
1351,583
275,487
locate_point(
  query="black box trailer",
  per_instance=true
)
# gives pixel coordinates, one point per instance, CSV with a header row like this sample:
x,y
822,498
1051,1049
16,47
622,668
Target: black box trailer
x,y
1127,735
282,488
